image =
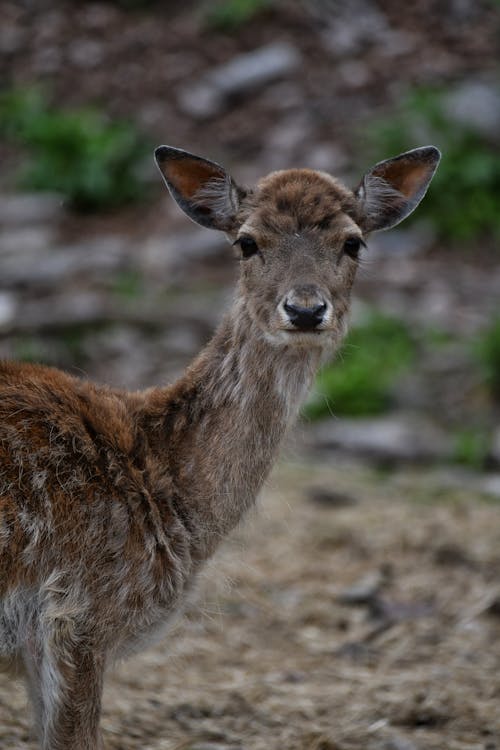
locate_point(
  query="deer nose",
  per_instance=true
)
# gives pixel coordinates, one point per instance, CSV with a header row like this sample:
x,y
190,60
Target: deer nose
x,y
305,317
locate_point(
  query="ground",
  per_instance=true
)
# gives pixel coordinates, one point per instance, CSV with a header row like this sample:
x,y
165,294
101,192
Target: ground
x,y
354,610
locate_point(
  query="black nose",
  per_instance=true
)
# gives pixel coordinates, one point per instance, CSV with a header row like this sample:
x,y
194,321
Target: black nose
x,y
305,317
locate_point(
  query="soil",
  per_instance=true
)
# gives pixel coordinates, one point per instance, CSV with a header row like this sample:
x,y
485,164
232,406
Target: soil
x,y
352,611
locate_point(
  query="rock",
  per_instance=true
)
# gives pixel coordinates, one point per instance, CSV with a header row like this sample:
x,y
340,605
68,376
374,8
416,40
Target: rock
x,y
8,309
387,439
490,485
41,265
67,309
170,254
30,208
476,104
19,241
240,75
363,590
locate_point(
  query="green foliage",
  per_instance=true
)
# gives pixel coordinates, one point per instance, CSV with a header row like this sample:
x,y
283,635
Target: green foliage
x,y
488,354
359,382
471,447
93,162
230,15
463,199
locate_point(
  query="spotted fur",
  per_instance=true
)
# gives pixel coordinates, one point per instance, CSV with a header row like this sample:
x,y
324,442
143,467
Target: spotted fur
x,y
110,501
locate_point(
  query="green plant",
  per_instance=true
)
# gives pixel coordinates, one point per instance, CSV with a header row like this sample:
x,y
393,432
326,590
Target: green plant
x,y
93,162
229,15
471,447
359,382
488,353
463,200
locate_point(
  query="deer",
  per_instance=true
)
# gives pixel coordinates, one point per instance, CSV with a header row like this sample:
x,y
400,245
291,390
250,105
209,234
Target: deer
x,y
111,500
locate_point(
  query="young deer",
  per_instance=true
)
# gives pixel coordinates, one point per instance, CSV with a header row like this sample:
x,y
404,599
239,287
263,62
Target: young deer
x,y
111,501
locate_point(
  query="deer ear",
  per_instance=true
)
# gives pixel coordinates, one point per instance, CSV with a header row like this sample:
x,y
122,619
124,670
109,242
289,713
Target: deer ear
x,y
202,188
392,189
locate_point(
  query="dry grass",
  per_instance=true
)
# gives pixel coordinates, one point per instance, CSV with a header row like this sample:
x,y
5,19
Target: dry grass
x,y
273,661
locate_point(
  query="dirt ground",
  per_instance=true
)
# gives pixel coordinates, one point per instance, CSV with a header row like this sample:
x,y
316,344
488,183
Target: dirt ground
x,y
354,610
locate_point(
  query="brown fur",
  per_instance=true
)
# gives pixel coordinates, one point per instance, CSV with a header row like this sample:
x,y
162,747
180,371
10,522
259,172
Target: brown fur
x,y
110,501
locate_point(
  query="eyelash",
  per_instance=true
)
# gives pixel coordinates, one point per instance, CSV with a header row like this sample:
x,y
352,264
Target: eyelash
x,y
352,246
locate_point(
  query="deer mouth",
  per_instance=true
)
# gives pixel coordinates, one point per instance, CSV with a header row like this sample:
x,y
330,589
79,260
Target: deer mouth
x,y
302,331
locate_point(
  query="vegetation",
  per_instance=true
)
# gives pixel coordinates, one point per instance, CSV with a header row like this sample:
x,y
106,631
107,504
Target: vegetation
x,y
471,448
230,15
359,382
93,162
463,200
488,353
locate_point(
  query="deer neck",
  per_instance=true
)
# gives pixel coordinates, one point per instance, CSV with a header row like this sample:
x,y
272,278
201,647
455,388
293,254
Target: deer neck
x,y
218,429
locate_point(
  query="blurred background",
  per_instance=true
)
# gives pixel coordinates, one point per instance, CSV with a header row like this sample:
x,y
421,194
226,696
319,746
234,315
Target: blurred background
x,y
102,275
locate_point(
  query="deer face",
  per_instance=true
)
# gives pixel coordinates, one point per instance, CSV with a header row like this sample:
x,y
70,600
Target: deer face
x,y
299,242
298,234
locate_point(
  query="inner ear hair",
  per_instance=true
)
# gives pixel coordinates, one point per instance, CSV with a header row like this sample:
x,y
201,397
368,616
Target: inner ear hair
x,y
393,188
221,197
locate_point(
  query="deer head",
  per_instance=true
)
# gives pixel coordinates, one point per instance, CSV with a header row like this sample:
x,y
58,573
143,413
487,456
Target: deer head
x,y
298,233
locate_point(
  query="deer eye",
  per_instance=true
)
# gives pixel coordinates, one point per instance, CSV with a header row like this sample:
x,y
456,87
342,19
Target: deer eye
x,y
248,246
352,246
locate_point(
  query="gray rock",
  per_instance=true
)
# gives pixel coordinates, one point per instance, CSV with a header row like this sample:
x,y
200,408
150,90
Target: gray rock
x,y
20,240
172,253
363,590
72,308
476,104
389,438
240,75
490,485
30,208
43,266
8,309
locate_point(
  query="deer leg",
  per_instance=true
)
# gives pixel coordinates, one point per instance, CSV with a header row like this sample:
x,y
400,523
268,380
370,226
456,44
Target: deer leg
x,y
31,664
65,685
